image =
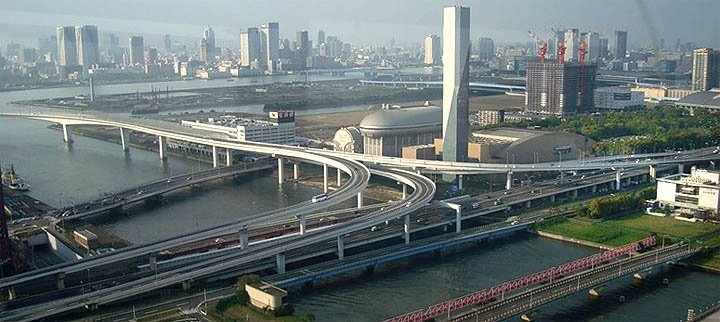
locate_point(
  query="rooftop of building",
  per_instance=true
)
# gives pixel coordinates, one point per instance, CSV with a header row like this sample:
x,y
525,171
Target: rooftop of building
x,y
696,177
421,146
418,116
706,98
614,89
509,134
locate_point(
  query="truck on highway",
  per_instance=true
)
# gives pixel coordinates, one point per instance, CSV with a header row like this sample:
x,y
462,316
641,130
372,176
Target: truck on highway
x,y
320,197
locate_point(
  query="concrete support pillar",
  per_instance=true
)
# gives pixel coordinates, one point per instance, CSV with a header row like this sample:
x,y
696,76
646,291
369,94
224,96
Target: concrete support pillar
x,y
460,181
652,171
60,279
339,177
508,182
296,170
244,238
303,224
360,199
215,156
67,133
458,219
11,293
186,285
618,181
162,147
340,247
125,139
228,157
280,263
281,170
325,178
562,177
528,204
406,229
552,198
153,262
575,193
593,189
681,167
404,190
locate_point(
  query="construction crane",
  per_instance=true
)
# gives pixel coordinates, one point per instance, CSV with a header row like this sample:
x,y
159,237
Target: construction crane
x,y
582,51
540,45
561,51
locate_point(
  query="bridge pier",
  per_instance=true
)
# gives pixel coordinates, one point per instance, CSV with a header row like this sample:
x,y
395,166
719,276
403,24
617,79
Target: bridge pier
x,y
681,168
11,293
186,285
458,218
215,156
325,178
340,247
162,147
125,139
153,262
296,170
244,238
228,157
528,204
459,180
574,193
652,172
404,190
508,182
67,133
360,200
406,229
280,263
593,189
618,181
552,198
60,280
303,224
281,170
339,177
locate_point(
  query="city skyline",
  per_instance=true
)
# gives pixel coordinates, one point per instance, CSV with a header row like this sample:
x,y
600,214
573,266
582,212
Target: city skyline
x,y
358,23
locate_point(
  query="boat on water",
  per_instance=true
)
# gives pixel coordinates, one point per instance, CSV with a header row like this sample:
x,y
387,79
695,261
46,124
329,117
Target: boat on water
x,y
13,181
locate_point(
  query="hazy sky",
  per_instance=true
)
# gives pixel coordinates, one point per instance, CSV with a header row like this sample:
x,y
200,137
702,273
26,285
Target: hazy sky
x,y
364,21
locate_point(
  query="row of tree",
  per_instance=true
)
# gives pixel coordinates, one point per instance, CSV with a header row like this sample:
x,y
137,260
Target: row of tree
x,y
613,205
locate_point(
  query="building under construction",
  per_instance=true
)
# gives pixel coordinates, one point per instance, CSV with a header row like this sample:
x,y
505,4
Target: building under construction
x,y
560,88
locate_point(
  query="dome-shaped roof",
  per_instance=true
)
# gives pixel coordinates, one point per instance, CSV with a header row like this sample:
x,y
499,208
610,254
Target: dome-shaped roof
x,y
402,118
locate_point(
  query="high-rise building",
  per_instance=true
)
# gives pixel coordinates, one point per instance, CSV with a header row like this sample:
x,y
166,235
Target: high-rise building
x,y
604,47
209,37
554,88
66,46
619,44
333,47
136,50
571,44
302,52
456,86
486,48
167,41
270,33
88,48
152,56
432,50
250,46
205,51
321,38
592,44
705,69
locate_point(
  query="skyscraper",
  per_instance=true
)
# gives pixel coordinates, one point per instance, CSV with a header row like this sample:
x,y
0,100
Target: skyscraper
x,y
152,56
321,38
136,50
432,50
270,44
571,44
205,51
592,44
167,41
88,48
604,47
250,46
486,47
303,48
705,69
66,46
209,37
553,87
619,44
456,61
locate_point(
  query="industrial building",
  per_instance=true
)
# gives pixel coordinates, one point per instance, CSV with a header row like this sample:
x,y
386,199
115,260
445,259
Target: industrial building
x,y
485,117
279,130
697,193
386,132
709,100
618,98
560,88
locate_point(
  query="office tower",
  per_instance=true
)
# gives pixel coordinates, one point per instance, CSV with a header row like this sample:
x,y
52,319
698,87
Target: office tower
x,y
432,50
303,48
486,48
554,88
321,38
571,44
270,33
88,48
705,69
152,56
167,41
250,46
209,37
592,45
66,46
136,50
619,44
604,47
333,47
204,50
456,61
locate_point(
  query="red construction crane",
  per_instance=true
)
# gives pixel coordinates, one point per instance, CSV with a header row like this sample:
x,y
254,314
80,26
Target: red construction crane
x,y
582,51
561,51
540,45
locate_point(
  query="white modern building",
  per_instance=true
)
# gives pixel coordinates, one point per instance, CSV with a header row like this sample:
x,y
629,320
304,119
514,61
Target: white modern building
x,y
270,33
456,86
618,98
694,193
279,130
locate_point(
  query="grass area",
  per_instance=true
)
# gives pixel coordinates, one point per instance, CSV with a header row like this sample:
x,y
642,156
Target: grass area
x,y
239,312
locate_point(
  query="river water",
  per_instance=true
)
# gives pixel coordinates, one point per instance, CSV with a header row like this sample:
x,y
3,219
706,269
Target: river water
x,y
63,175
